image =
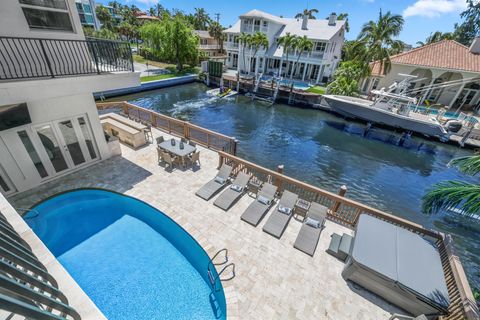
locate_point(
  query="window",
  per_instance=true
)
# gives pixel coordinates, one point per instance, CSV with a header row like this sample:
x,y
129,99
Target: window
x,y
56,4
87,8
89,18
375,83
203,41
320,46
49,14
265,24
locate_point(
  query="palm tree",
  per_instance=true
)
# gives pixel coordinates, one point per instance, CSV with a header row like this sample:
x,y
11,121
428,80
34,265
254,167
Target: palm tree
x,y
436,37
302,45
287,42
306,12
244,39
461,195
378,37
258,40
344,16
152,12
201,19
216,31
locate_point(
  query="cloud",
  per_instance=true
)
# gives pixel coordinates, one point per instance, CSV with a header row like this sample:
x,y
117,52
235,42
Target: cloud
x,y
434,8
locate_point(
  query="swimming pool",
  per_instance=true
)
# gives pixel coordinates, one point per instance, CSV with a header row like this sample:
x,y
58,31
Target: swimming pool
x,y
132,260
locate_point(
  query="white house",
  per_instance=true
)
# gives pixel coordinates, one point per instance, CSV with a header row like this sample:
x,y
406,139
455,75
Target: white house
x,y
49,125
316,66
434,64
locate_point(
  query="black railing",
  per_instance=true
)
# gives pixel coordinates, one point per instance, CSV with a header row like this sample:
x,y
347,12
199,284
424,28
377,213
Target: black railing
x,y
26,287
23,58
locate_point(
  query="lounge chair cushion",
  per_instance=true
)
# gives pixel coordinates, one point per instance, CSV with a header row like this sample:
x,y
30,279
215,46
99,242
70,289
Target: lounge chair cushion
x,y
236,188
312,222
284,210
263,200
220,180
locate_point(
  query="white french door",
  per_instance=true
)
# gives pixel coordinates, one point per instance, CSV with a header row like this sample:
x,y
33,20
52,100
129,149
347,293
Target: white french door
x,y
6,186
61,145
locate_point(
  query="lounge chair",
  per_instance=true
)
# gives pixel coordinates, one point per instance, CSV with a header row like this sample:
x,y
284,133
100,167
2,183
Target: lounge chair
x,y
257,209
278,220
234,192
216,184
312,227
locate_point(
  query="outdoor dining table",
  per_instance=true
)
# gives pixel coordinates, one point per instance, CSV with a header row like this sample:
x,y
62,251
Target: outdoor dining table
x,y
182,153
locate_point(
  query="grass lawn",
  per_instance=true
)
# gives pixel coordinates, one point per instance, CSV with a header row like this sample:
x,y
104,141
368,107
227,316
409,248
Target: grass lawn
x,y
140,59
174,73
317,89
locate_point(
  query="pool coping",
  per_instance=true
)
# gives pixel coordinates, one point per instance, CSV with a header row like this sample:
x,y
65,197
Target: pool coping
x,y
230,292
77,298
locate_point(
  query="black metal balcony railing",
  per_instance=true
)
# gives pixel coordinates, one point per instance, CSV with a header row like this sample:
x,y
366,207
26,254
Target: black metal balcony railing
x,y
23,58
26,287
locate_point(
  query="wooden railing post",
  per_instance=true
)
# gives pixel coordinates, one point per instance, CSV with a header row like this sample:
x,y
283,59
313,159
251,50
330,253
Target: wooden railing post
x,y
220,161
186,131
341,193
125,108
278,182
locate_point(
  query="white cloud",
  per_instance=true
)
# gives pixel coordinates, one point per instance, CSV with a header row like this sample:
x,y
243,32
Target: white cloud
x,y
434,8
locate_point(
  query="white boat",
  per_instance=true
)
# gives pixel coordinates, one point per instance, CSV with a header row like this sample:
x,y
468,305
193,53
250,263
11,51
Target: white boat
x,y
225,94
390,109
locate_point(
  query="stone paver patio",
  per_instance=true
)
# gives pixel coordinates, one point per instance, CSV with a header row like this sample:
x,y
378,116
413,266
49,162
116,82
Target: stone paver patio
x,y
273,279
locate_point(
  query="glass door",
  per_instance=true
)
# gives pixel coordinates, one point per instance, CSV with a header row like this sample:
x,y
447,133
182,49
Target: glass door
x,y
6,186
71,142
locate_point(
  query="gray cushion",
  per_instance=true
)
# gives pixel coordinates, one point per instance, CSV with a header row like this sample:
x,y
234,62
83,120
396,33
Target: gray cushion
x,y
236,188
312,222
283,209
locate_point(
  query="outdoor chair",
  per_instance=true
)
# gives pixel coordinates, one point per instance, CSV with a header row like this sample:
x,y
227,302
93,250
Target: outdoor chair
x,y
183,140
160,140
171,161
193,144
194,158
148,133
311,229
280,217
216,184
159,155
257,209
234,192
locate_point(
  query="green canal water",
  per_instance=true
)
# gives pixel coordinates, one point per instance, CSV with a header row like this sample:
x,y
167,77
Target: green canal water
x,y
328,151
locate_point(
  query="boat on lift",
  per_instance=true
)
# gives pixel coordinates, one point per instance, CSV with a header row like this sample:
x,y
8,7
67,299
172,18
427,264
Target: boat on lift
x,y
393,108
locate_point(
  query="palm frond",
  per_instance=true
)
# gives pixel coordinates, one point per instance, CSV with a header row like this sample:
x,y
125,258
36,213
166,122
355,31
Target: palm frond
x,y
452,194
468,165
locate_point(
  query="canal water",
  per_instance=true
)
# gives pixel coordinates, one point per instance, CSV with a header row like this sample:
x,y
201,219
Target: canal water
x,y
328,151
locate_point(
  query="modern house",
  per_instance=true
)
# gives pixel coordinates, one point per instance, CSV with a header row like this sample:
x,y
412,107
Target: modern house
x,y
49,125
86,12
433,64
116,17
316,66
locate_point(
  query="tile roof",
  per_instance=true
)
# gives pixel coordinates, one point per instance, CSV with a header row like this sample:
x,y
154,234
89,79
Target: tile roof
x,y
446,54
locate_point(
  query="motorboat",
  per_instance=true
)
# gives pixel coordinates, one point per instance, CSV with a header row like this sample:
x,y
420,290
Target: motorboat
x,y
222,93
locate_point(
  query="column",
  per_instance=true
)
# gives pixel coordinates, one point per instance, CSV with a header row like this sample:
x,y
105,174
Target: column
x,y
304,71
456,97
280,68
256,65
318,76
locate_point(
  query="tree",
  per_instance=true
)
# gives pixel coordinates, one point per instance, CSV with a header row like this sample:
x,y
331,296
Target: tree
x,y
344,16
126,30
460,195
306,12
302,45
258,40
201,20
471,26
346,78
244,39
104,16
171,40
436,37
378,37
215,30
287,42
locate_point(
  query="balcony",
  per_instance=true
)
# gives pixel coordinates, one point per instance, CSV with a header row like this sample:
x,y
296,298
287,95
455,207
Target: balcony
x,y
209,47
30,58
231,45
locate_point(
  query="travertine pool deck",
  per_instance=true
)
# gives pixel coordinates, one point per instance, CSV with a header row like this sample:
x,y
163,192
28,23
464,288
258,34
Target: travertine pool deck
x,y
273,279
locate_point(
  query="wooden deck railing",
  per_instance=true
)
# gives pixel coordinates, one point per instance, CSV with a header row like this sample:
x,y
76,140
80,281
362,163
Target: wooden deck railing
x,y
207,138
346,212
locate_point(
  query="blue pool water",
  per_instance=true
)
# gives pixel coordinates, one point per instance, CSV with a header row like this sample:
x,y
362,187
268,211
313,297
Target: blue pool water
x,y
132,260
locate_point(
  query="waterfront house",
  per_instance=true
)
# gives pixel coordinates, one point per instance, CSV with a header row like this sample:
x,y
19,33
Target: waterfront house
x,y
208,44
434,64
317,66
47,76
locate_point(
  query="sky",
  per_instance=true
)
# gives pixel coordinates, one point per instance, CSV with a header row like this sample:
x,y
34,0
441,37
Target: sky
x,y
422,17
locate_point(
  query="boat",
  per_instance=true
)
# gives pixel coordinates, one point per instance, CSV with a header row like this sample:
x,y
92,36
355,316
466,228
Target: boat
x,y
393,110
227,92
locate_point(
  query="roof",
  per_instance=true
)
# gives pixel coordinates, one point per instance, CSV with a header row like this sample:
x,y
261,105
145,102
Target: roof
x,y
404,257
260,14
203,34
235,28
146,17
446,54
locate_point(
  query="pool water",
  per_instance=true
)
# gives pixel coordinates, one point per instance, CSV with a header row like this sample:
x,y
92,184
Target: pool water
x,y
130,259
327,151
